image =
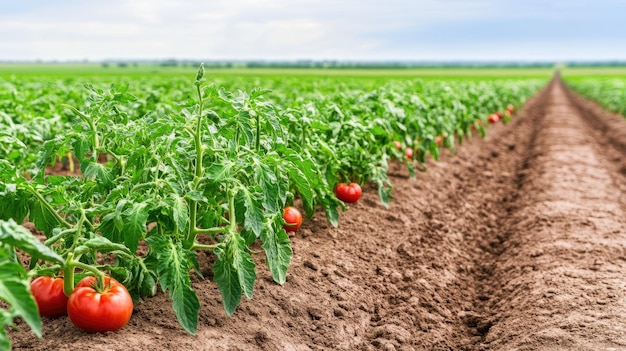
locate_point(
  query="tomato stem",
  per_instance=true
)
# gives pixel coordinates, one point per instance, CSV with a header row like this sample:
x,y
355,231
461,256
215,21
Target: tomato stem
x,y
49,242
215,230
198,246
258,132
231,210
197,133
68,273
70,161
44,270
48,206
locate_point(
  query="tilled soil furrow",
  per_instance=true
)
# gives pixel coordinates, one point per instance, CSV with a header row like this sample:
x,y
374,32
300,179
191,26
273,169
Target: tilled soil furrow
x,y
561,271
432,280
609,131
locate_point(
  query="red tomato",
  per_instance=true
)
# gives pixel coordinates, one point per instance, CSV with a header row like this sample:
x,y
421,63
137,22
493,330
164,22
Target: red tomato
x,y
499,114
348,193
99,312
291,215
49,295
493,118
438,140
397,144
408,152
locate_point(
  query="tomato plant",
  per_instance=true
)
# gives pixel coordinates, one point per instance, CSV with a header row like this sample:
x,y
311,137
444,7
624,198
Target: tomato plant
x,y
99,307
48,292
292,218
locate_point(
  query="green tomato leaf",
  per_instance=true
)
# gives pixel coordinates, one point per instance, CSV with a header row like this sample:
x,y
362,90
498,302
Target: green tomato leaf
x,y
179,212
5,342
186,306
173,273
98,172
332,214
135,219
102,244
227,280
266,178
15,290
15,235
303,187
253,216
43,218
13,202
277,247
243,264
217,172
82,144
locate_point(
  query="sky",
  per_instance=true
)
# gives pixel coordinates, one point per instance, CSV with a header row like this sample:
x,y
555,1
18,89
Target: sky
x,y
349,30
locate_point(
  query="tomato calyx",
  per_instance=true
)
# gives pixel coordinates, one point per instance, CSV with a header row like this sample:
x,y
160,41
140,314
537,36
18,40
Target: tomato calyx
x,y
100,286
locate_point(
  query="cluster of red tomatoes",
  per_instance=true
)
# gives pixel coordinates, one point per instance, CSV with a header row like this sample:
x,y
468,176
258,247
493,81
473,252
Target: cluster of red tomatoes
x,y
91,308
408,151
496,117
348,193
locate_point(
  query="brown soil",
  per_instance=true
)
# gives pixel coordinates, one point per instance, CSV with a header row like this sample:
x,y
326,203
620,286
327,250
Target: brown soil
x,y
516,243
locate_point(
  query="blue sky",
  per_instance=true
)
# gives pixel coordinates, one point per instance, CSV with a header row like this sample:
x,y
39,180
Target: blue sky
x,y
444,30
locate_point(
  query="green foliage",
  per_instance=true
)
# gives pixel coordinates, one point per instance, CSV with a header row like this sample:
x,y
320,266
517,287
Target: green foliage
x,y
14,282
173,168
611,93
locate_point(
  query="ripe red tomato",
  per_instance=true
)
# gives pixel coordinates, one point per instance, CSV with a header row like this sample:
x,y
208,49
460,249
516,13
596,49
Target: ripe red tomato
x,y
99,312
292,216
397,144
499,114
493,118
348,193
49,295
408,152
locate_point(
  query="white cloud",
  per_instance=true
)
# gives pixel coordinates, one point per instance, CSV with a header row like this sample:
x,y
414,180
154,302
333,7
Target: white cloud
x,y
277,29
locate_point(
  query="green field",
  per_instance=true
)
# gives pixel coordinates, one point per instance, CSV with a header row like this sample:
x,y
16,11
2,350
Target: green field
x,y
593,72
445,73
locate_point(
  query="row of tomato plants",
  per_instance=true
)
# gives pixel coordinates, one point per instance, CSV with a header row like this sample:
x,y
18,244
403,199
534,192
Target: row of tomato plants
x,y
611,93
214,172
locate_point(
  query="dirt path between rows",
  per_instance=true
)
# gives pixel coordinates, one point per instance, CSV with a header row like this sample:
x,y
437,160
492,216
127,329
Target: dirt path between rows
x,y
516,243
